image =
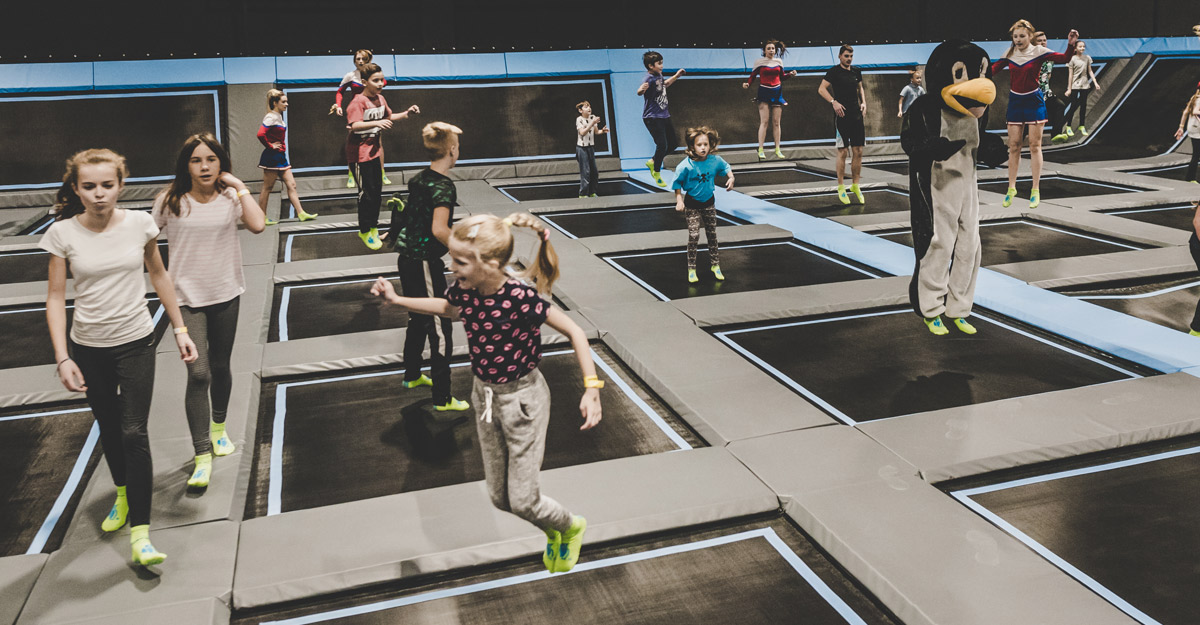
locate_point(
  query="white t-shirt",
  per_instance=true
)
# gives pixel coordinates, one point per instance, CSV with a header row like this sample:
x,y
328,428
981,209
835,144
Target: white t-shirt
x,y
1079,65
206,257
110,292
587,138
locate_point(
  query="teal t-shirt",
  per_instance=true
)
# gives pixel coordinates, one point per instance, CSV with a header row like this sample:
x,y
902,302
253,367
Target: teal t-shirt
x,y
696,178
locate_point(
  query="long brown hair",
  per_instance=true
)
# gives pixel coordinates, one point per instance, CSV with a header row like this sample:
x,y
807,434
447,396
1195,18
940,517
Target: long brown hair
x,y
714,140
179,187
491,238
1190,109
67,203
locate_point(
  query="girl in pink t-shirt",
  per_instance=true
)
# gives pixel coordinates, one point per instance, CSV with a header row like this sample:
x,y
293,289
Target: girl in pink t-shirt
x,y
503,318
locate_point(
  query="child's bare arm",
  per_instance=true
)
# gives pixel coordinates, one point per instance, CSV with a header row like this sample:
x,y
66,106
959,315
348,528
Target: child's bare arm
x,y
670,81
589,405
421,305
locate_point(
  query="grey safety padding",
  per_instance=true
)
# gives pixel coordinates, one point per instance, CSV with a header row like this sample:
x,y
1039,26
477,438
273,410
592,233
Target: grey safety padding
x,y
29,293
477,192
1062,272
473,172
367,349
257,249
1119,201
586,280
667,239
92,582
339,267
456,526
1113,226
766,192
567,175
989,210
717,392
17,576
14,220
799,301
632,200
246,106
534,169
925,556
973,440
34,385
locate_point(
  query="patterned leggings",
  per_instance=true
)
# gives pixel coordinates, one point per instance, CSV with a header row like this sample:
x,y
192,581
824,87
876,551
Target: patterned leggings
x,y
695,211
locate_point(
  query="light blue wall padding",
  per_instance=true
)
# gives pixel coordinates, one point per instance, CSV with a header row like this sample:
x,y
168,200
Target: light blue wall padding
x,y
150,74
691,59
632,137
561,63
797,58
250,71
307,69
1166,46
450,66
1110,48
995,49
889,55
23,77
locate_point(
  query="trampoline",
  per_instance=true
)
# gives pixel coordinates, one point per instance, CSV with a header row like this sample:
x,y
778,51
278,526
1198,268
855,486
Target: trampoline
x,y
901,167
570,190
1178,216
326,243
46,455
34,265
750,267
1174,172
749,571
1169,302
598,223
884,200
774,175
1023,240
1144,121
26,339
331,205
334,439
1125,528
331,307
882,364
1055,187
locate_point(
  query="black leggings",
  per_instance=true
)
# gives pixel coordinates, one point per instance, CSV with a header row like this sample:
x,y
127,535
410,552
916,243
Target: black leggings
x,y
426,278
369,176
1079,98
1194,246
665,141
1191,168
212,328
120,383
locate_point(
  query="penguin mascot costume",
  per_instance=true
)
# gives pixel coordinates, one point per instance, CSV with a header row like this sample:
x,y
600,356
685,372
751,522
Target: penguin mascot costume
x,y
942,138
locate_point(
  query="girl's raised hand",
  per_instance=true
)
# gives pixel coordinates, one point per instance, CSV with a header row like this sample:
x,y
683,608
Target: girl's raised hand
x,y
231,181
414,110
383,288
589,407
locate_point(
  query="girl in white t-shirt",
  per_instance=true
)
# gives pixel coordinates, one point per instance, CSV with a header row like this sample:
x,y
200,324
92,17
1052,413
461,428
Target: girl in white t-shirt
x,y
1189,125
110,352
199,212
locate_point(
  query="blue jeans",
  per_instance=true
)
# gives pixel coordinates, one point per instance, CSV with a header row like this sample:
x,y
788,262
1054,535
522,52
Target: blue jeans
x,y
588,176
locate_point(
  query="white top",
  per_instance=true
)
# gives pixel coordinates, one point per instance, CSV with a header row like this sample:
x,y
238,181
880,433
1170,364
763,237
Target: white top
x,y
1193,122
206,257
110,292
273,119
1079,65
587,138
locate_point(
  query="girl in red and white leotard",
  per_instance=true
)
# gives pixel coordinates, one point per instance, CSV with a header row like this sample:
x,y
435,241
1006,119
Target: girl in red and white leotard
x,y
770,74
352,85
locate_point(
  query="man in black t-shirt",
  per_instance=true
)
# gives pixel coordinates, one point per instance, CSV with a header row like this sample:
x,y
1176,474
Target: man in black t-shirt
x,y
849,105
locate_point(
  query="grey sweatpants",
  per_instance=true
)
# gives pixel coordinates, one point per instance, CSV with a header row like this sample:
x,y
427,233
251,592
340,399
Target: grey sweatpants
x,y
513,445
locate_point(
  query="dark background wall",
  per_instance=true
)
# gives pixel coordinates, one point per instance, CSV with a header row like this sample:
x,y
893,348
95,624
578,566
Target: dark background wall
x,y
59,31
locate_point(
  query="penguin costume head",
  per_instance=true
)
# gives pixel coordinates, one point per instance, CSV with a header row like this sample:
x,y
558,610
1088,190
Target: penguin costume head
x,y
960,72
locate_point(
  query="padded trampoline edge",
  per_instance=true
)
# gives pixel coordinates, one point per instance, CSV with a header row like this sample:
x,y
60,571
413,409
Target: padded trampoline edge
x,y
17,577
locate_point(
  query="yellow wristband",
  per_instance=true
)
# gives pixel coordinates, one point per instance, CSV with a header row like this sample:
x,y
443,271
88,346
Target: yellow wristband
x,y
592,381
243,193
181,330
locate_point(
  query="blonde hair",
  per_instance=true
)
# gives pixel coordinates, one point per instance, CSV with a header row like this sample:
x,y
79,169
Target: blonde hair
x,y
437,137
273,97
1012,29
366,55
1190,109
714,140
67,203
491,238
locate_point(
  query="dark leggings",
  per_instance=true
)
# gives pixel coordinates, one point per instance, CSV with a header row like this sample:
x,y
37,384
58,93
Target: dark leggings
x,y
665,141
212,328
369,176
1194,246
1079,98
695,212
426,278
1191,168
120,383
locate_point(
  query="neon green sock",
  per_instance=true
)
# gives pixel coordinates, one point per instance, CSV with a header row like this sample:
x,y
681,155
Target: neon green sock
x,y
571,545
201,472
120,510
550,555
857,193
222,446
936,326
144,552
1194,332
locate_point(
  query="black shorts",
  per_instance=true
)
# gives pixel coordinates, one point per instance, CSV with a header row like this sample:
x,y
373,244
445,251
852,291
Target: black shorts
x,y
692,203
850,131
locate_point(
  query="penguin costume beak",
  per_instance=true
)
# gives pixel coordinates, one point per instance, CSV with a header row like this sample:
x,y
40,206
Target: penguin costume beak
x,y
970,97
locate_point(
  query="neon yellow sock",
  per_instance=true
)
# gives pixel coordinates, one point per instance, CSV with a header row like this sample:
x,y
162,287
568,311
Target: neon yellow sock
x,y
144,552
120,510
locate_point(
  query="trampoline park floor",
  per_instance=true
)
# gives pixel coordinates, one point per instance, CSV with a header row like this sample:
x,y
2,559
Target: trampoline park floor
x,y
330,205
330,307
357,435
1173,172
1121,523
901,167
46,455
27,342
42,224
873,365
749,176
1178,216
1054,187
33,265
757,570
664,273
882,200
570,190
597,223
1169,301
325,243
1016,241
